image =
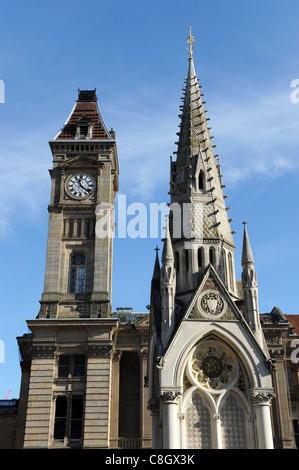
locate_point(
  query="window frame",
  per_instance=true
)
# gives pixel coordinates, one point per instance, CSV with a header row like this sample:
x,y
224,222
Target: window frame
x,y
70,366
75,289
68,418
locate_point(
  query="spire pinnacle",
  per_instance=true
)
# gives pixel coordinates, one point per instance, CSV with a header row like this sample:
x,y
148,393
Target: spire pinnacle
x,y
156,273
247,257
167,253
190,42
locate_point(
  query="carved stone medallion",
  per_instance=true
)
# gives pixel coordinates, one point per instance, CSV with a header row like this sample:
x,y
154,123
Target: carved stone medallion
x,y
211,304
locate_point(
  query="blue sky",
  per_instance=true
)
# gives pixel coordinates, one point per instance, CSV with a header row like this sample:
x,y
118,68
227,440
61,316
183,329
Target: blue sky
x,y
133,52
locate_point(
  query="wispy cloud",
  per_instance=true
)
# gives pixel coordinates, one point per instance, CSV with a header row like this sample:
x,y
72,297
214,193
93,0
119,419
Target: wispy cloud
x,y
24,179
258,136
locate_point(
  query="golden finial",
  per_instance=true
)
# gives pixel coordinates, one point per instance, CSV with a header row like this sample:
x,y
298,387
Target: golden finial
x,y
190,42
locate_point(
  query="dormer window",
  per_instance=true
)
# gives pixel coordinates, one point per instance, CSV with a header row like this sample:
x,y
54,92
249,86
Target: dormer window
x,y
83,128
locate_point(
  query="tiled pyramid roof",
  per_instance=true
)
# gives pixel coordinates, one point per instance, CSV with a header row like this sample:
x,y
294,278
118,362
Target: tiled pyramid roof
x,y
85,106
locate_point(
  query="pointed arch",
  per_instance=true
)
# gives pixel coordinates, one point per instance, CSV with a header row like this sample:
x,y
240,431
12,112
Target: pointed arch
x,y
212,256
224,267
200,257
234,430
201,181
251,364
198,415
230,271
216,402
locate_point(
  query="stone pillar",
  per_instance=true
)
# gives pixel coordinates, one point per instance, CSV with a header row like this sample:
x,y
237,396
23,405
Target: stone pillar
x,y
170,419
115,400
154,408
97,401
38,419
261,399
285,438
145,417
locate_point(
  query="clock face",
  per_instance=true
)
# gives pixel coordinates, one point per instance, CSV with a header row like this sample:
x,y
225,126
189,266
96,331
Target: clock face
x,y
80,185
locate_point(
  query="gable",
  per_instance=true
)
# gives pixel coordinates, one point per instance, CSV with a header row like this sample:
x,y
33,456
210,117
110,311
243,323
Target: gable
x,y
212,301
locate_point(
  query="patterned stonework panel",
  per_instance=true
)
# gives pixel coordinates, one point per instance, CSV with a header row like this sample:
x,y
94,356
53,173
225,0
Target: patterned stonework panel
x,y
198,424
233,424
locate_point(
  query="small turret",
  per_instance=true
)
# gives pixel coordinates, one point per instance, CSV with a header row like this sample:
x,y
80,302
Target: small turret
x,y
168,286
250,288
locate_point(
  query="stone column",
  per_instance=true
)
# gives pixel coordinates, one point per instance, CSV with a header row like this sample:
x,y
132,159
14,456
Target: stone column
x,y
170,419
218,431
38,419
261,400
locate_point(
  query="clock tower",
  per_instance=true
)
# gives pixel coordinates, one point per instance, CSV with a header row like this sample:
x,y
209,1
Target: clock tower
x,y
70,361
84,178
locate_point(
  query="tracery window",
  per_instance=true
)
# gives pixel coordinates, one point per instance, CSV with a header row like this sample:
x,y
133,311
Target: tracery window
x,y
216,398
198,418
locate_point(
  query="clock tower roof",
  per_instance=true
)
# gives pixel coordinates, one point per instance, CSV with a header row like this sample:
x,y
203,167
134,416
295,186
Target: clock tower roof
x,y
85,121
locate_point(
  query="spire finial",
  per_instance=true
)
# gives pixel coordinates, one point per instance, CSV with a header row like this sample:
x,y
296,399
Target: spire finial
x,y
190,42
244,223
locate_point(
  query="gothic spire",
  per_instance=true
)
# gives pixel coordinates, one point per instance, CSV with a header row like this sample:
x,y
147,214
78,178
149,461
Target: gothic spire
x,y
196,176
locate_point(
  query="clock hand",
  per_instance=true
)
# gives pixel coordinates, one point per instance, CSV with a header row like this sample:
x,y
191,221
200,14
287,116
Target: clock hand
x,y
85,189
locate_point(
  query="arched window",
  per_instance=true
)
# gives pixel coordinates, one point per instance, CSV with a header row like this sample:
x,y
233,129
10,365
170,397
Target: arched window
x,y
200,258
233,423
199,419
212,255
230,271
215,374
224,267
186,260
201,181
77,283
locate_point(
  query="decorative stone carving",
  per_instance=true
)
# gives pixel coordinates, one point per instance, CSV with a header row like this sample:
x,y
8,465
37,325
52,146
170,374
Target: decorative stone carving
x,y
43,351
262,397
170,395
160,362
277,355
270,363
273,339
154,406
99,351
117,355
211,304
